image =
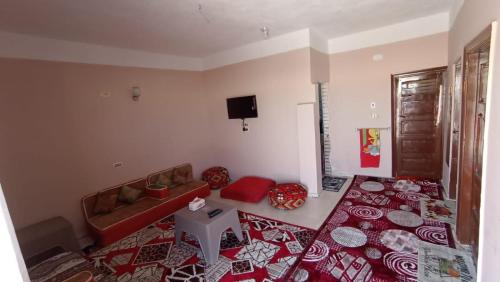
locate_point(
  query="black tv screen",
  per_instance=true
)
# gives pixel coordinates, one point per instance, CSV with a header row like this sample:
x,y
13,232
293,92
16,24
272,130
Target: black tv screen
x,y
242,107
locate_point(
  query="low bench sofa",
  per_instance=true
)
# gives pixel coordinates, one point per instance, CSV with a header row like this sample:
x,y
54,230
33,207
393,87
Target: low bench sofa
x,y
128,218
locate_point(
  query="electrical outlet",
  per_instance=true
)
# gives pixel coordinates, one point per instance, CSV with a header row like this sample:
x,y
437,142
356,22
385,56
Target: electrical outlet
x,y
117,164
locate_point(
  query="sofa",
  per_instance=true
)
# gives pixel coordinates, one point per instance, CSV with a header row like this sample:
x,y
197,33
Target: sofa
x,y
127,218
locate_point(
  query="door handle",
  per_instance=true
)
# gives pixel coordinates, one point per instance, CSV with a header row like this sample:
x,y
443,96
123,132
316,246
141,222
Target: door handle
x,y
455,131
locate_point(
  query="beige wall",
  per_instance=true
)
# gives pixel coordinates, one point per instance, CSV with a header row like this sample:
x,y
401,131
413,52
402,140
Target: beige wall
x,y
356,80
474,17
59,137
270,147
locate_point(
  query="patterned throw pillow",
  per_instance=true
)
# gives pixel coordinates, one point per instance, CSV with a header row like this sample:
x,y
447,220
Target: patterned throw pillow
x,y
105,203
128,194
165,179
217,177
183,175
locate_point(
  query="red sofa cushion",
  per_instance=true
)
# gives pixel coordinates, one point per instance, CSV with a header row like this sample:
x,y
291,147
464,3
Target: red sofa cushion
x,y
248,189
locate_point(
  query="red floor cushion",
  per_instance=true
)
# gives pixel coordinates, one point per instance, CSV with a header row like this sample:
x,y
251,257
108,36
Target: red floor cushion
x,y
217,177
287,196
248,189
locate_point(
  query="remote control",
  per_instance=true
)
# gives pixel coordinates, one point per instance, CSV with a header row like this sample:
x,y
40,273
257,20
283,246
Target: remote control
x,y
213,213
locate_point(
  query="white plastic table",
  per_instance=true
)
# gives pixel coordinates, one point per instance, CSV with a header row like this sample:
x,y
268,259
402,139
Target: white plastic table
x,y
207,230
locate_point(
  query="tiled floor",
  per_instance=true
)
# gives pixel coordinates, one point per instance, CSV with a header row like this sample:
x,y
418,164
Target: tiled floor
x,y
311,214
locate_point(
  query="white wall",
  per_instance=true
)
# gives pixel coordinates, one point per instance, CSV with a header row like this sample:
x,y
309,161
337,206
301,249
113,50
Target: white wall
x,y
356,80
309,148
11,261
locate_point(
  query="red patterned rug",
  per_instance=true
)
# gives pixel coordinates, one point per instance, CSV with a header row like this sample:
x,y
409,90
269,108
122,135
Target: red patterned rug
x,y
267,253
373,234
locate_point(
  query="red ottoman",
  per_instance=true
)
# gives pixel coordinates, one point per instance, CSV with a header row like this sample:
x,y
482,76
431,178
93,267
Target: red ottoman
x,y
217,177
287,196
248,189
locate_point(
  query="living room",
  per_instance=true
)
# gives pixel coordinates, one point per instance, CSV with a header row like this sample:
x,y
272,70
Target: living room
x,y
92,98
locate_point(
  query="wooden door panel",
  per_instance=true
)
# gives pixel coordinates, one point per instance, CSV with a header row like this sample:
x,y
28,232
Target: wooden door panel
x,y
424,146
417,108
423,127
421,86
478,149
416,123
418,162
483,78
478,143
480,122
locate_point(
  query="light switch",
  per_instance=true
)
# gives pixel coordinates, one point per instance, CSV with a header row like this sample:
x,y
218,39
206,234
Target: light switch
x,y
378,57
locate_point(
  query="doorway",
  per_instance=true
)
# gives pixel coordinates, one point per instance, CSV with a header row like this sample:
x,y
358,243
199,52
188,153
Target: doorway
x,y
474,99
416,123
329,182
324,128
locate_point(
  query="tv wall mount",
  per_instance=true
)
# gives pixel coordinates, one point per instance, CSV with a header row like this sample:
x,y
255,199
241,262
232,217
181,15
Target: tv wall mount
x,y
244,125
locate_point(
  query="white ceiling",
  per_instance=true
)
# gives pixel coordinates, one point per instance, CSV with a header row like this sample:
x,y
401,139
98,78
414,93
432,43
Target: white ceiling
x,y
176,27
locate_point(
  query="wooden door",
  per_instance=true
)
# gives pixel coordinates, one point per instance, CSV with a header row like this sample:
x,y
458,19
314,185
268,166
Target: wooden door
x,y
472,136
477,162
416,123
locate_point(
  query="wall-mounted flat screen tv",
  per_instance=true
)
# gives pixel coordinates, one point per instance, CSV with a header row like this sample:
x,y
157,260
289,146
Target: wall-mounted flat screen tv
x,y
242,107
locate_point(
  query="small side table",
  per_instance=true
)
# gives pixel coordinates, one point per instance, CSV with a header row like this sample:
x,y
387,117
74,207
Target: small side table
x,y
42,236
208,230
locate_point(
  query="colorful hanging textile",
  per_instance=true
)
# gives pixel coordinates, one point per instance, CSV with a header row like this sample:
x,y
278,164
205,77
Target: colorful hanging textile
x,y
370,147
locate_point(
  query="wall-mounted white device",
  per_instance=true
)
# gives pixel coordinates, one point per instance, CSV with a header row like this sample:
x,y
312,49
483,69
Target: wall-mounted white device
x,y
136,93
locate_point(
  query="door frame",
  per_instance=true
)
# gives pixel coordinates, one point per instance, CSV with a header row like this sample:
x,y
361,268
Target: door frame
x,y
464,200
394,93
454,165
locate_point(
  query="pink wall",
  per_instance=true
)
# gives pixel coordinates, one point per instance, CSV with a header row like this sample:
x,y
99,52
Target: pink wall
x,y
270,147
60,137
356,80
473,18
320,66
